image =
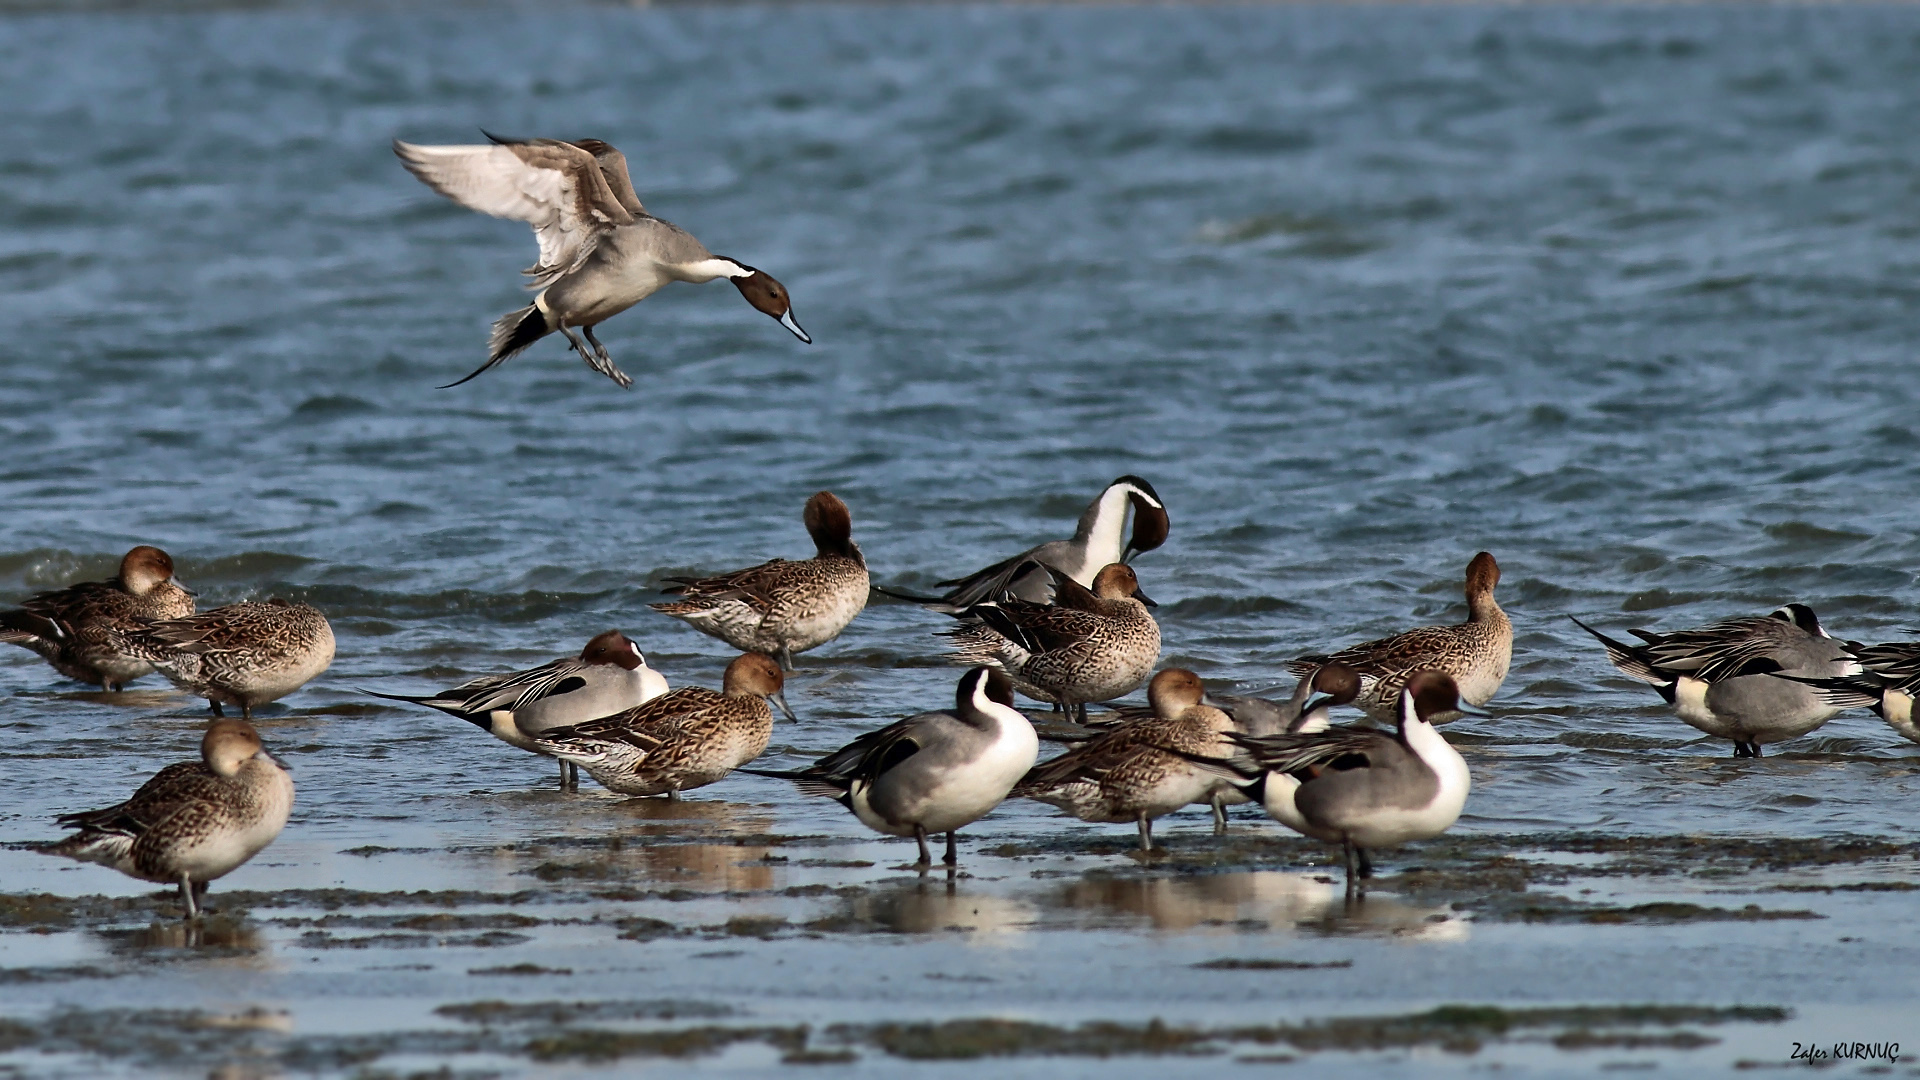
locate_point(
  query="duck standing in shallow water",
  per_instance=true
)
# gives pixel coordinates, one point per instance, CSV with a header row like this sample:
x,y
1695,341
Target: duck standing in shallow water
x,y
193,822
600,251
1361,788
1476,653
1095,545
1088,645
1139,771
930,773
609,675
681,740
76,629
1721,678
780,607
244,654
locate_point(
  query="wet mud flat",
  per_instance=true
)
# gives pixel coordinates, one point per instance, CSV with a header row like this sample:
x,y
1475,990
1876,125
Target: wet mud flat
x,y
706,936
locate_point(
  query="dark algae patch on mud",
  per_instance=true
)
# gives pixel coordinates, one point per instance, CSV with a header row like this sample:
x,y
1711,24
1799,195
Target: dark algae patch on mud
x,y
1229,963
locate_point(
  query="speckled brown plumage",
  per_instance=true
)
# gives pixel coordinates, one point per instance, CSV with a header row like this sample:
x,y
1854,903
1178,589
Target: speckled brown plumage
x,y
1088,645
684,739
76,629
244,654
1135,772
781,607
194,821
1476,653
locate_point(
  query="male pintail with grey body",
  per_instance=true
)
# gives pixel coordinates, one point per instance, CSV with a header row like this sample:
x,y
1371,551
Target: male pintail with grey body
x,y
1362,788
600,251
782,607
244,654
1136,772
194,821
1719,677
609,675
1889,684
75,629
681,740
931,773
1088,645
1096,543
1476,653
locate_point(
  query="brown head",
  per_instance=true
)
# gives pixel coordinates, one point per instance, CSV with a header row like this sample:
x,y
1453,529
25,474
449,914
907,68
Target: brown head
x,y
1482,575
1150,523
228,744
1116,581
1340,684
144,569
1174,691
756,675
1433,694
768,297
988,682
830,524
614,647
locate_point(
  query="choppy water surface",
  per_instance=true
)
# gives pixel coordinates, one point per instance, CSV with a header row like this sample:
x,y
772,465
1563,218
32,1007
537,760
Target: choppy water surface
x,y
1625,297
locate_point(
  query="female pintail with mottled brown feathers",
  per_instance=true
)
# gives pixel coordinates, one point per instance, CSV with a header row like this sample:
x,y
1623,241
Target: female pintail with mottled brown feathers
x,y
193,822
1363,788
1476,653
930,773
600,251
244,654
609,675
1088,645
780,607
75,629
1136,772
1095,545
681,740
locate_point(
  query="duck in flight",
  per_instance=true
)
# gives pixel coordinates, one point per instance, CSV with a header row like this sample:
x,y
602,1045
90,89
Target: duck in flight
x,y
600,251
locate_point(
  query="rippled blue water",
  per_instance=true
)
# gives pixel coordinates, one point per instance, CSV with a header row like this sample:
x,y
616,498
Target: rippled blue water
x,y
1625,297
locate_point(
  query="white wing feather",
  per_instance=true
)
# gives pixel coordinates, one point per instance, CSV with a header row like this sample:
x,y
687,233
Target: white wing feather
x,y
561,193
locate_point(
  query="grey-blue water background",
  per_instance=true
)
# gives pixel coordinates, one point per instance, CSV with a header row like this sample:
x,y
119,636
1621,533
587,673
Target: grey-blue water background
x,y
1623,296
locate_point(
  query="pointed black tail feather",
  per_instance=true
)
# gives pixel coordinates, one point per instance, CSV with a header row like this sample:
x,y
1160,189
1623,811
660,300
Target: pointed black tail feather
x,y
512,332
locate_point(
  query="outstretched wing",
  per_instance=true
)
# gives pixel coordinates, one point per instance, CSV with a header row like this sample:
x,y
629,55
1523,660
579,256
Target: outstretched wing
x,y
613,166
556,187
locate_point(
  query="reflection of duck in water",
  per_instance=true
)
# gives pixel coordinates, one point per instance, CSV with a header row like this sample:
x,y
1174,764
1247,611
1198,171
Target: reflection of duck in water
x,y
925,908
1277,898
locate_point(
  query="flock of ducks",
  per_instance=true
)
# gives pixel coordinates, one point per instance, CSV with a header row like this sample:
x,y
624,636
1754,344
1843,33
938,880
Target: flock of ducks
x,y
1065,622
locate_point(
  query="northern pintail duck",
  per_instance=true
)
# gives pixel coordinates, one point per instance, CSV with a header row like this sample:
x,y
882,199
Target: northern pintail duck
x,y
1888,686
782,607
1476,652
600,251
681,740
76,629
931,773
609,675
1088,645
1308,710
1362,788
1095,545
193,822
244,654
1136,772
1718,677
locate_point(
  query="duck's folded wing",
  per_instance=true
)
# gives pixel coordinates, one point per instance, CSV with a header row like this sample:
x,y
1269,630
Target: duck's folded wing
x,y
556,187
754,586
